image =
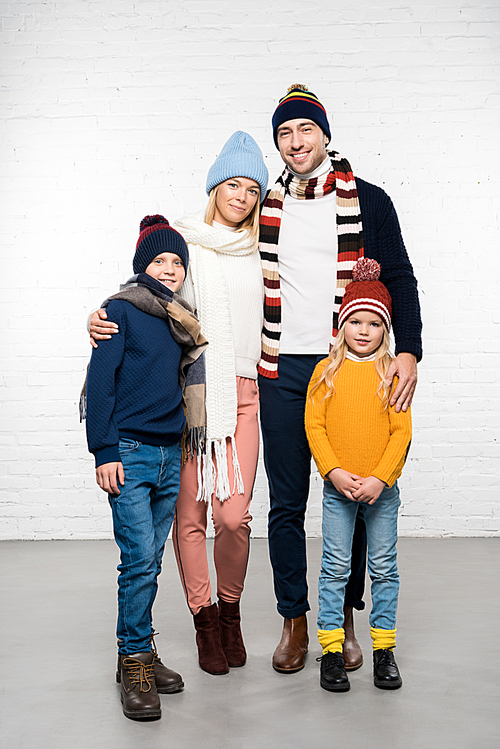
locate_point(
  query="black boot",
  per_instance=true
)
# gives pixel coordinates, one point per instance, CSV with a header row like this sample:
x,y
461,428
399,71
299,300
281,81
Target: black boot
x,y
385,670
333,676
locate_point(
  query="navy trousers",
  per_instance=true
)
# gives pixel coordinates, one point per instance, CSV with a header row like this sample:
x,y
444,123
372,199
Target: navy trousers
x,y
287,459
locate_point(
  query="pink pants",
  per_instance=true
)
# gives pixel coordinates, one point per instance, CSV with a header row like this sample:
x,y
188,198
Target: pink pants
x,y
231,518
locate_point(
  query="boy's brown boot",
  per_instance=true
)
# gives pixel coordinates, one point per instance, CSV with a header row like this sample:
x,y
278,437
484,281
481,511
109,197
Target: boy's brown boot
x,y
167,680
138,689
230,632
211,656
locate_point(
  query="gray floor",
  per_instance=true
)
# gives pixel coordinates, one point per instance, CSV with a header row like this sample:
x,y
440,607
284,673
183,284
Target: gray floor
x,y
58,658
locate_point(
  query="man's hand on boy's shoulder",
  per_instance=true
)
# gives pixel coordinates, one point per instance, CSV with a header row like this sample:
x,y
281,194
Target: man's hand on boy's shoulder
x,y
100,328
108,475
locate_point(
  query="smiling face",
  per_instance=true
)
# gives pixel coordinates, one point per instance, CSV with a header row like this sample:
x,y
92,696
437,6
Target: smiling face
x,y
168,269
363,332
302,145
235,200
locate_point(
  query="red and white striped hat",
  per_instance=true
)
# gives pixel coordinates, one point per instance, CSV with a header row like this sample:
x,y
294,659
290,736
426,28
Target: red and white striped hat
x,y
366,292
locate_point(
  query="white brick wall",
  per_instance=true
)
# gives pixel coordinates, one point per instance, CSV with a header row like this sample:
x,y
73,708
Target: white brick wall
x,y
114,110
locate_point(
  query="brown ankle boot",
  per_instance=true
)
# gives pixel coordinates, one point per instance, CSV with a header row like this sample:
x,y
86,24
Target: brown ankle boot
x,y
211,656
230,632
290,654
351,650
138,689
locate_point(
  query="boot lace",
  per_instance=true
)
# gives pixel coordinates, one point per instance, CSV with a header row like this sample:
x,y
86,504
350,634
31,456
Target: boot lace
x,y
337,659
139,673
154,650
386,658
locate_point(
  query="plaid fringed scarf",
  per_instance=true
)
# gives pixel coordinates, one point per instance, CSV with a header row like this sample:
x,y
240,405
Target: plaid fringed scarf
x,y
142,291
350,245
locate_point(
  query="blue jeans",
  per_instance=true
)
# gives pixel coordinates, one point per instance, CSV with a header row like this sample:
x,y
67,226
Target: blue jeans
x,y
143,513
381,520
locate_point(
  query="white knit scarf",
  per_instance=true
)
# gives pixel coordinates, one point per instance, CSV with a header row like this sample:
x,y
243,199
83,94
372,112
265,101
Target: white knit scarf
x,y
209,295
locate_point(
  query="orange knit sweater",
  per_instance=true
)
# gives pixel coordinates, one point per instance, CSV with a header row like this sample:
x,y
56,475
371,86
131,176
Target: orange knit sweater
x,y
351,429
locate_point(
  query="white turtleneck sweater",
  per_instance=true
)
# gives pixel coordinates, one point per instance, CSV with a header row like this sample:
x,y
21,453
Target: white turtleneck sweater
x,y
308,270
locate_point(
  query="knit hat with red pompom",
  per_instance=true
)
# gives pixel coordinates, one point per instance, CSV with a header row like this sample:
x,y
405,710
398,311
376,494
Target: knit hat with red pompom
x,y
366,292
157,236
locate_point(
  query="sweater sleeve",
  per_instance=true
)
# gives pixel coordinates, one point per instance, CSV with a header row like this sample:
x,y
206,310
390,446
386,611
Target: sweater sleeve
x,y
101,425
315,423
391,464
384,243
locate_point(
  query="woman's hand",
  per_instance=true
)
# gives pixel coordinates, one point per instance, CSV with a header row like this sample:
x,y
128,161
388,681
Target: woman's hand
x,y
369,491
108,475
345,482
100,328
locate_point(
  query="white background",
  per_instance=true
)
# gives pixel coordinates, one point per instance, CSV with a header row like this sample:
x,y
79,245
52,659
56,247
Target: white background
x,y
113,110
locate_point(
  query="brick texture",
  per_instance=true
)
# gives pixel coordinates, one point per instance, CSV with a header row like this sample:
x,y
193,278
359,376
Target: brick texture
x,y
111,111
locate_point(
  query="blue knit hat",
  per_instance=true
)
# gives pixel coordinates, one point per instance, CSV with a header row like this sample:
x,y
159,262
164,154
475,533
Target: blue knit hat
x,y
157,236
299,102
240,157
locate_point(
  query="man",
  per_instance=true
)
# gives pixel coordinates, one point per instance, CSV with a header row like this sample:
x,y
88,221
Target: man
x,y
316,221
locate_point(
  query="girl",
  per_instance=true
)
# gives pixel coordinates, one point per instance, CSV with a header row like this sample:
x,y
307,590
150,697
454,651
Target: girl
x,y
224,284
359,444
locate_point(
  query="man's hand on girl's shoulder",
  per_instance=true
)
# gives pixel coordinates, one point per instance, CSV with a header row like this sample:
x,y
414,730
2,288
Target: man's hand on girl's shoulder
x,y
99,327
405,367
108,475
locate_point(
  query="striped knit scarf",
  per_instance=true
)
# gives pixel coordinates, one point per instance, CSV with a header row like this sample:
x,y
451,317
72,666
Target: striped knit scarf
x,y
350,245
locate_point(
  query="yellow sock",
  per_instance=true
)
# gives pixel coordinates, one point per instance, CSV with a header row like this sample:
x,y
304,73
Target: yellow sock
x,y
383,639
331,640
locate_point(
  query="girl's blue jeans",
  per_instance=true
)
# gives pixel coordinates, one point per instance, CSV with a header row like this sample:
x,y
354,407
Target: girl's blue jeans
x,y
381,519
143,513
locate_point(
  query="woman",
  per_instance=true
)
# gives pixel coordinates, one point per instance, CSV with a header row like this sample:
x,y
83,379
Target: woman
x,y
225,286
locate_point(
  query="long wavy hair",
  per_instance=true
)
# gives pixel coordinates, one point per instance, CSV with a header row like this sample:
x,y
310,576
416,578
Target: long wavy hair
x,y
337,357
251,222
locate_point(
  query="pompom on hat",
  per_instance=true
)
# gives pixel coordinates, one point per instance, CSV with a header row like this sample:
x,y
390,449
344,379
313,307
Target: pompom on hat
x,y
366,292
299,102
240,157
157,236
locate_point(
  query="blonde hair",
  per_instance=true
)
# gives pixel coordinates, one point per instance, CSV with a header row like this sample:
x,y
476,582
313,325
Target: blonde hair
x,y
250,223
337,357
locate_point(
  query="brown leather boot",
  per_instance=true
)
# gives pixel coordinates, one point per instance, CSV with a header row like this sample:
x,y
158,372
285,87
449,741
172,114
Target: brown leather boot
x,y
211,656
167,681
290,654
138,689
230,632
350,649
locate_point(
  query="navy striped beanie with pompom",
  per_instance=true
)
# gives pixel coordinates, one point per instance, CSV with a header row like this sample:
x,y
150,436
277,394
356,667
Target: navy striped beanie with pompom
x,y
157,236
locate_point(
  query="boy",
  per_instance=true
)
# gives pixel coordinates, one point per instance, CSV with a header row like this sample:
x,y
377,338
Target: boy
x,y
135,421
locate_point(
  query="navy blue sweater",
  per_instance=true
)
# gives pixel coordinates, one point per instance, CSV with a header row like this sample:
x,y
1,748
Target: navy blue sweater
x,y
383,242
133,386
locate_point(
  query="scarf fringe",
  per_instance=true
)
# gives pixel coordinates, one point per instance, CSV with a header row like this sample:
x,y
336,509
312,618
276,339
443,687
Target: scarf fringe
x,y
83,407
213,472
